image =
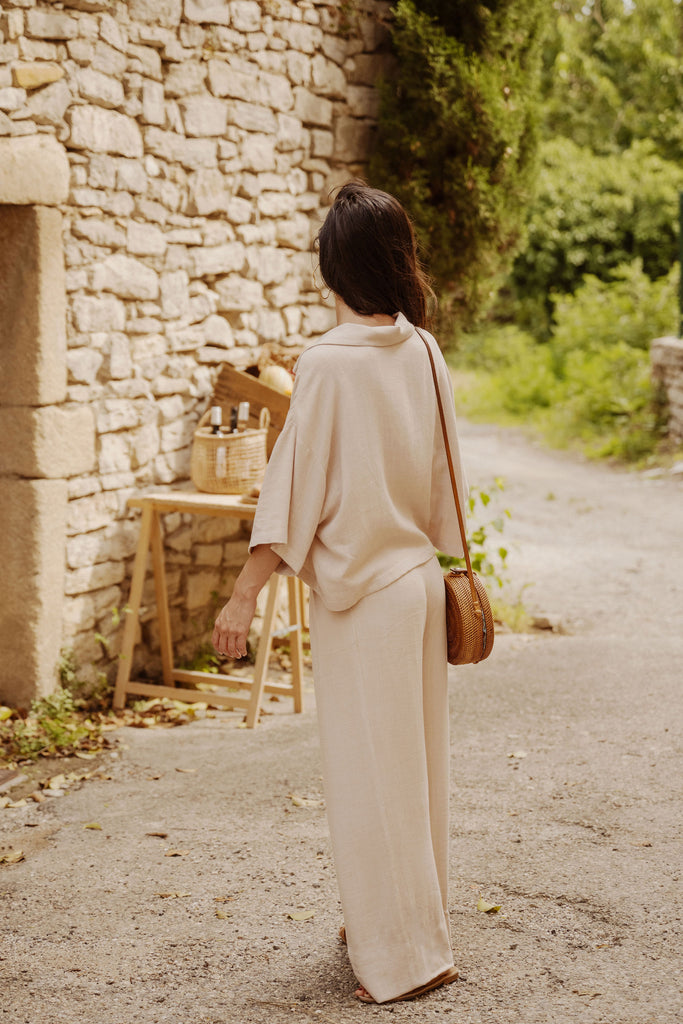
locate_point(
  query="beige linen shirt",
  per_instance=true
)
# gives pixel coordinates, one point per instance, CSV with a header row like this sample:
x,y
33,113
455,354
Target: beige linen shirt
x,y
357,491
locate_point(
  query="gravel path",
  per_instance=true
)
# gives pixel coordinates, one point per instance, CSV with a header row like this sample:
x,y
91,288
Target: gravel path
x,y
566,811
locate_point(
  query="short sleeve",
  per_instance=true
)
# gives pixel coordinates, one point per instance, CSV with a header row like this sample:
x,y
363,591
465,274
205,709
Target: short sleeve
x,y
294,486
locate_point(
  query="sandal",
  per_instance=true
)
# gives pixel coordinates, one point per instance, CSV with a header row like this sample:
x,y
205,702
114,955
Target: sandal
x,y
445,978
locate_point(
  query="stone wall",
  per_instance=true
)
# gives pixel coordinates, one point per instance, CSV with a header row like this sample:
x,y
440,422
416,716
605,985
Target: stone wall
x,y
666,355
203,138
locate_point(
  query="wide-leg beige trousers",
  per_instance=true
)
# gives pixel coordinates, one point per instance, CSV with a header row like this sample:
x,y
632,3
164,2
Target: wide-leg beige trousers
x,y
380,672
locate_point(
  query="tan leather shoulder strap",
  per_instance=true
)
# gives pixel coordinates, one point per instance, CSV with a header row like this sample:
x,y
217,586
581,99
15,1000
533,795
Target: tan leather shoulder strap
x,y
458,509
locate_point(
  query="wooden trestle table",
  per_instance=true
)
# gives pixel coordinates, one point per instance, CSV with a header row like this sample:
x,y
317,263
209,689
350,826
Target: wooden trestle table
x,y
154,505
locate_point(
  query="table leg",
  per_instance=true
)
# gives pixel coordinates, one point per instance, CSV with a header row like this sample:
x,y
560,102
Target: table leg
x,y
296,653
132,609
263,653
161,591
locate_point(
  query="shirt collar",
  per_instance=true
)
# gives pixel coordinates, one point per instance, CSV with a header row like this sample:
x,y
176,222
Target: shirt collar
x,y
361,334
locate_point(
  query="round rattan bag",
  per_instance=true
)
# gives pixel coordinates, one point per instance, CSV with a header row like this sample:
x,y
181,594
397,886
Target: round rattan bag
x,y
470,632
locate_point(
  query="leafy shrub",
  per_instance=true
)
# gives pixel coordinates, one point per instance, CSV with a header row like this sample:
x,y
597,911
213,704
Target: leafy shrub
x,y
630,308
593,213
488,558
591,383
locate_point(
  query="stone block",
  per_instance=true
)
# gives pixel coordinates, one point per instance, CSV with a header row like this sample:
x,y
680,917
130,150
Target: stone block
x,y
218,332
257,153
145,239
246,15
49,105
32,554
83,365
104,131
191,153
201,587
174,294
322,143
82,51
291,133
114,453
120,365
267,264
12,98
109,60
126,277
144,60
32,306
327,78
153,109
353,138
185,79
22,171
275,91
100,89
99,232
235,294
208,12
166,13
295,233
251,117
51,25
34,75
208,554
98,313
144,445
49,442
226,80
206,192
130,175
94,577
312,109
220,259
203,115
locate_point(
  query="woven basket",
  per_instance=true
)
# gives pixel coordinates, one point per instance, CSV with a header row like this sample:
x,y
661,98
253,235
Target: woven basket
x,y
470,636
231,464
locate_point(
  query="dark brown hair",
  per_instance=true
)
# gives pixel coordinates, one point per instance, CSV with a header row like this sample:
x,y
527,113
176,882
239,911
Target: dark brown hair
x,y
368,255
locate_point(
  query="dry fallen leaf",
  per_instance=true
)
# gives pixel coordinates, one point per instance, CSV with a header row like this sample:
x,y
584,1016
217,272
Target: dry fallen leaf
x,y
176,853
223,915
172,895
187,770
38,797
487,908
93,825
11,857
301,915
305,801
159,835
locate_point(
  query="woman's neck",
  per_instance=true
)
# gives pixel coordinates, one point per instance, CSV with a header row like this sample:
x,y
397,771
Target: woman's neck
x,y
345,315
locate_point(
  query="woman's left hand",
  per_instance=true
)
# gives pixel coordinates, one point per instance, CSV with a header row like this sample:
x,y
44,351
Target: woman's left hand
x,y
232,626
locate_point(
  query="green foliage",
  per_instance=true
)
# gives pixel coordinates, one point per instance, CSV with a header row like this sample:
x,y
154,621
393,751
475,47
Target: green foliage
x,y
613,73
456,137
53,726
592,213
488,558
630,309
591,383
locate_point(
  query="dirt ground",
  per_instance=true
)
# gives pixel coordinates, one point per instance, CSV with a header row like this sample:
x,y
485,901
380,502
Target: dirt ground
x,y
566,811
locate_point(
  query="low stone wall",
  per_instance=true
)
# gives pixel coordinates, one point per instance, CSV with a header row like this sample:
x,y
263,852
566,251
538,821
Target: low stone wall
x,y
666,355
203,138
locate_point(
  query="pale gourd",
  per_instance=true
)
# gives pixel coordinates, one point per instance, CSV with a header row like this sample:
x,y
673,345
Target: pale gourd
x,y
278,378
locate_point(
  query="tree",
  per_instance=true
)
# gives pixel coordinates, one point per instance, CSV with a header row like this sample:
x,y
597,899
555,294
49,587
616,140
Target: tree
x,y
456,136
613,74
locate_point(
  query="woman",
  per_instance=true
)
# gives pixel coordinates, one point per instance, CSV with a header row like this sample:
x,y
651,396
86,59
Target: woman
x,y
355,499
